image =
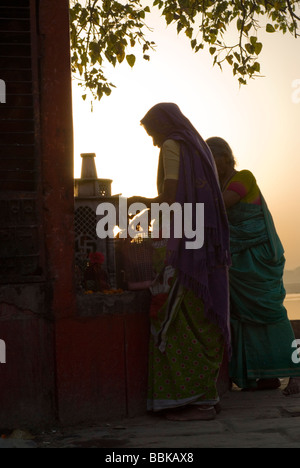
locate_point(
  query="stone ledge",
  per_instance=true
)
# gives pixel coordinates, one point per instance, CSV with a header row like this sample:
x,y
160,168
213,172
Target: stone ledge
x,y
96,304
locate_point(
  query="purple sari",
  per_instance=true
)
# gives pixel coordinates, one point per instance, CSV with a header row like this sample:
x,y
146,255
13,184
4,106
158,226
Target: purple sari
x,y
203,270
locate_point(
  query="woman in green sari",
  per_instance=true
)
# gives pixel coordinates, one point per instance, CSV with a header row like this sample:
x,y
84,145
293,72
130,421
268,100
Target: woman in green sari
x,y
262,334
190,327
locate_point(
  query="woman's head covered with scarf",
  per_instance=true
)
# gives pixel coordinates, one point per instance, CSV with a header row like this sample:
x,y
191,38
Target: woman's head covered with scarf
x,y
197,183
164,119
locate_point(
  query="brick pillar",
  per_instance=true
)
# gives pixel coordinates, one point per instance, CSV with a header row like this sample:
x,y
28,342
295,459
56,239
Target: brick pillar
x,y
57,153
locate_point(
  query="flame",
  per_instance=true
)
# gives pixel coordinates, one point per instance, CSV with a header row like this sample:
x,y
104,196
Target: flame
x,y
116,231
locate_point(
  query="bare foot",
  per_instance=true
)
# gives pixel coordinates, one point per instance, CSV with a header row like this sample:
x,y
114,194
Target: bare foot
x,y
264,384
293,387
192,413
268,384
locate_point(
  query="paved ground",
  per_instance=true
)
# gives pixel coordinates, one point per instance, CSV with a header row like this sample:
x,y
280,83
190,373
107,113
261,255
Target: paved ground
x,y
258,420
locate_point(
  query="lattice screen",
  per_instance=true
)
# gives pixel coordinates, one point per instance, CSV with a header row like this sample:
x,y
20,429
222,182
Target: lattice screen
x,y
86,241
85,233
21,250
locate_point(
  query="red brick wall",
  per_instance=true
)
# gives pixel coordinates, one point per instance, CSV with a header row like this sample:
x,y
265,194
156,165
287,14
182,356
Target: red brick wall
x,y
28,307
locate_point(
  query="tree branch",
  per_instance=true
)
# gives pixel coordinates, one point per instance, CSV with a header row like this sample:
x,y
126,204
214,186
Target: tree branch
x,y
293,16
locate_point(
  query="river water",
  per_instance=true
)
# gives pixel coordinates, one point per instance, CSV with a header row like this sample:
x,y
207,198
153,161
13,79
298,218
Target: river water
x,y
292,304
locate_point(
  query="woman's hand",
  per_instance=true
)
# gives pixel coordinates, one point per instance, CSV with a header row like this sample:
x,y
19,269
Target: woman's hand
x,y
168,195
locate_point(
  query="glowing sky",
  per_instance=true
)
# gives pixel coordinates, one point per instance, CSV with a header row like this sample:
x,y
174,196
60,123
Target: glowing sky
x,y
261,121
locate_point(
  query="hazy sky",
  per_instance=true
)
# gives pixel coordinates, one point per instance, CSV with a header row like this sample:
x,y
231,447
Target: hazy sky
x,y
261,121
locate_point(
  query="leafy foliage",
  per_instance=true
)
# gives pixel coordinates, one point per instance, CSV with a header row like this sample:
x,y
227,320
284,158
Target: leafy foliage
x,y
211,19
105,30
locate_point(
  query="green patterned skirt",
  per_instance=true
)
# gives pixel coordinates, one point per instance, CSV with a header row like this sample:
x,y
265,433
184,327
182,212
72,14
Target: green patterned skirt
x,y
186,349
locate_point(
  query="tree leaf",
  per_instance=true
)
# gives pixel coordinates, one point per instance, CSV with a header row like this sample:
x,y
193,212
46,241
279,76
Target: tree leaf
x,y
194,43
239,24
258,48
121,56
130,60
189,32
169,17
256,67
250,48
229,59
270,28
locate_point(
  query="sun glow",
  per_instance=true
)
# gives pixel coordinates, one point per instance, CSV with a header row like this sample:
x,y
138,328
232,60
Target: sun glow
x,y
260,121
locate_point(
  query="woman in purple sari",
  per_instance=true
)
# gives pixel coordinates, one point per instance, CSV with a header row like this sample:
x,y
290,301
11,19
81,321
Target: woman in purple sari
x,y
190,298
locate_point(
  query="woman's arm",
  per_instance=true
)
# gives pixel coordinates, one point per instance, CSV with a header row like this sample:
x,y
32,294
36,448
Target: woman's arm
x,y
231,198
170,153
167,196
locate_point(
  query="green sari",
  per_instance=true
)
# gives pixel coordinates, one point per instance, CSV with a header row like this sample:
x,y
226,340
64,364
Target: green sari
x,y
262,334
186,349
